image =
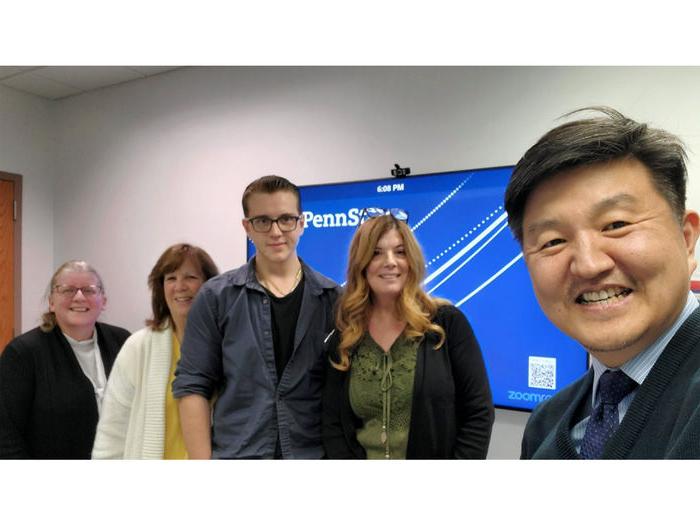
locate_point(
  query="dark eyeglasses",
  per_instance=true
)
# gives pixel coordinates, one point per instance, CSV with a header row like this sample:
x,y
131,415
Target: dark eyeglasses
x,y
371,213
263,223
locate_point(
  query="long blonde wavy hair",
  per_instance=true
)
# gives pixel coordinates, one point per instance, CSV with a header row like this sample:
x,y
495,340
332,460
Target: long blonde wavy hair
x,y
413,305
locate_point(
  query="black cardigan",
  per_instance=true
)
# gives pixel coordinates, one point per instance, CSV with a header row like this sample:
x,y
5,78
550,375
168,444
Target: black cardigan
x,y
662,422
47,404
452,412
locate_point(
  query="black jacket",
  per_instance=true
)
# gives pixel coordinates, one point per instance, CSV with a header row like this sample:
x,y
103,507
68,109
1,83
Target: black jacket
x,y
452,412
47,404
662,422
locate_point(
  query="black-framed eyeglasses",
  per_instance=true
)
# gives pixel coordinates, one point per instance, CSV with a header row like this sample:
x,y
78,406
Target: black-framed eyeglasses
x,y
71,291
263,223
372,212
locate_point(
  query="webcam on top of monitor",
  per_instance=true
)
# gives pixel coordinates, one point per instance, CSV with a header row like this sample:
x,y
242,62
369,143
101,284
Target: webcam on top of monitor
x,y
400,172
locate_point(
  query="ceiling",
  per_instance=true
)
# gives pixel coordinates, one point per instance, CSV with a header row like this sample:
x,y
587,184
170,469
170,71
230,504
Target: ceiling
x,y
57,82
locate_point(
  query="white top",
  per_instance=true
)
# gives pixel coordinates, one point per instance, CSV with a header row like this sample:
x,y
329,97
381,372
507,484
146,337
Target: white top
x,y
132,423
88,355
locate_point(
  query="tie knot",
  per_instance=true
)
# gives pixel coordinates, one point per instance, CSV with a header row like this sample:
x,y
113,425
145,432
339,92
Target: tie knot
x,y
613,387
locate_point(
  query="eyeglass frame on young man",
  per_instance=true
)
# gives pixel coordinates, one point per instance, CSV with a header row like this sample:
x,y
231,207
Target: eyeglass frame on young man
x,y
67,290
372,212
253,220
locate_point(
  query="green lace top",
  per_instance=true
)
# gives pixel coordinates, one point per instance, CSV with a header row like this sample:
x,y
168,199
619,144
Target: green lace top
x,y
381,394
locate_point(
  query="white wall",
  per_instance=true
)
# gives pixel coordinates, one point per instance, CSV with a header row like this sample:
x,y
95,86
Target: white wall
x,y
26,148
164,159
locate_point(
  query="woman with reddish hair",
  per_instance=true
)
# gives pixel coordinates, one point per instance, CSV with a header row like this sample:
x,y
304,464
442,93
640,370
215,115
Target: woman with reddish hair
x,y
140,418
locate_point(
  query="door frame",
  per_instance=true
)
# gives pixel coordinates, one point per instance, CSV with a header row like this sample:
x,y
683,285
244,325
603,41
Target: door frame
x,y
17,232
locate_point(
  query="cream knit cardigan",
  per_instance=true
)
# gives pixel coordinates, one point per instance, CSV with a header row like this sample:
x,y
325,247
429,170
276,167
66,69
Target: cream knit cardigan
x,y
132,422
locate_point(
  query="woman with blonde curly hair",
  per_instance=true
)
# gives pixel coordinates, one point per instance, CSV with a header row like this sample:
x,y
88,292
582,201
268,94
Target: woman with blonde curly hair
x,y
406,378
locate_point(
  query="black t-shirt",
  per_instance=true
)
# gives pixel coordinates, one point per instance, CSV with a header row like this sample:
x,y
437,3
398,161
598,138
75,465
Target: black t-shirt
x,y
285,312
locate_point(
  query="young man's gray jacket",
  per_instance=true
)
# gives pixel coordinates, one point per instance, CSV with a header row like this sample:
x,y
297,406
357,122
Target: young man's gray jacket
x,y
228,352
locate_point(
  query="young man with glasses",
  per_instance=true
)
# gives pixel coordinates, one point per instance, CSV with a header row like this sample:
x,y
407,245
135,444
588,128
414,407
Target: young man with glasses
x,y
254,342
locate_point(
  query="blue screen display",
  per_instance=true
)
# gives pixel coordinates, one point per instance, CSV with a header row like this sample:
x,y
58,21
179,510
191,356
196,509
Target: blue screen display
x,y
472,260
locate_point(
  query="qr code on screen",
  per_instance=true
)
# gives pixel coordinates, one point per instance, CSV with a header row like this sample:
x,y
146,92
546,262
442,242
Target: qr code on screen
x,y
542,372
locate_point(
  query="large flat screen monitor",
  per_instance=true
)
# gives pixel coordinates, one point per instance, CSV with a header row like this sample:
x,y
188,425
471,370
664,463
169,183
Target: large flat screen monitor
x,y
471,259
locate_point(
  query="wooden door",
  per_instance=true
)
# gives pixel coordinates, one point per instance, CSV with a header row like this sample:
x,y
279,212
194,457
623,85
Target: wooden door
x,y
9,257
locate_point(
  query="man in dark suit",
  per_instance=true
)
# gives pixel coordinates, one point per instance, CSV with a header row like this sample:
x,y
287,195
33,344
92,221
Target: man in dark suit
x,y
598,206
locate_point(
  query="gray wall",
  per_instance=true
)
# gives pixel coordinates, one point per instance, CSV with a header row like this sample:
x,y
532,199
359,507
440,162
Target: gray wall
x,y
139,166
27,148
